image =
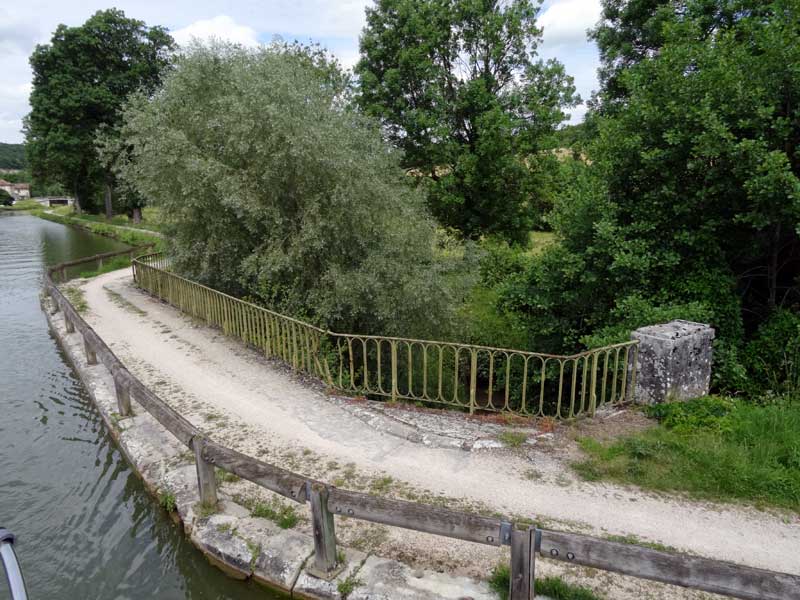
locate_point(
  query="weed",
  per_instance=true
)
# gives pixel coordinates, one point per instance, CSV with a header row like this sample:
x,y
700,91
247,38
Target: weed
x,y
77,298
552,587
225,477
284,515
255,551
167,501
531,474
513,439
204,510
347,585
381,485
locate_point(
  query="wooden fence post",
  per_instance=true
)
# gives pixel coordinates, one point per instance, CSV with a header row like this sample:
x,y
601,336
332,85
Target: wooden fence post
x,y
123,397
206,480
70,326
91,357
324,533
522,564
55,305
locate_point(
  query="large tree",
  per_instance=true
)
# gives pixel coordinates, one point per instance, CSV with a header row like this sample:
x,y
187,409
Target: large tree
x,y
457,85
80,80
695,193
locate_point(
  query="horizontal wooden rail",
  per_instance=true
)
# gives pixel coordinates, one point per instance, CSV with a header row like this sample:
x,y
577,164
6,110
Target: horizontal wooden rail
x,y
703,574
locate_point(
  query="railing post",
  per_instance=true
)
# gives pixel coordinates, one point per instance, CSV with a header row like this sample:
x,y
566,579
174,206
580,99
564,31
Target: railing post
x,y
70,326
473,380
91,357
394,370
123,397
56,306
522,564
593,390
206,480
63,274
324,532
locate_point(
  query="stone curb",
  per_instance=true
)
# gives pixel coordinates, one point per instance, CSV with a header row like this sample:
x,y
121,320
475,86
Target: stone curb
x,y
240,545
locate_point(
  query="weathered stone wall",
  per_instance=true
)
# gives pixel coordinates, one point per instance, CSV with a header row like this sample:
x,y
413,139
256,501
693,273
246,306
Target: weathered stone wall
x,y
674,361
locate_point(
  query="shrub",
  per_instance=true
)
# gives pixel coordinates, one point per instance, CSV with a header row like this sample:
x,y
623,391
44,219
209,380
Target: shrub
x,y
773,356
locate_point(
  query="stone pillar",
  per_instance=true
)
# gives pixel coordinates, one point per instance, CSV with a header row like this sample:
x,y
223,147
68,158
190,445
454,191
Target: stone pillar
x,y
674,361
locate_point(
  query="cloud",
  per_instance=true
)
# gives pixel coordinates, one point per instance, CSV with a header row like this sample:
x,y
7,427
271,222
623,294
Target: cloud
x,y
221,27
565,21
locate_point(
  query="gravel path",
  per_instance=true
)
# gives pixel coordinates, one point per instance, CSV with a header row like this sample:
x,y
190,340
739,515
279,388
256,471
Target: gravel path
x,y
260,407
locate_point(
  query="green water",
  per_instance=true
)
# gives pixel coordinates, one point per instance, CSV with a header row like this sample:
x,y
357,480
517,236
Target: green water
x,y
86,527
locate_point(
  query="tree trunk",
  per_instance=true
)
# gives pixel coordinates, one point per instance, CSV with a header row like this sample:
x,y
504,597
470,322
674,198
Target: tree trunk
x,y
107,198
137,215
772,268
77,201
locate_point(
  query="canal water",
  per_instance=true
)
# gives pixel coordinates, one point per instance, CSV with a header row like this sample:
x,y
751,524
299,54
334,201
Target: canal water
x,y
86,527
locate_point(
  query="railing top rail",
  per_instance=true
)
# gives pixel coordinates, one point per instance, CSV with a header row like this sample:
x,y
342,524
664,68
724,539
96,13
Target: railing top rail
x,y
411,341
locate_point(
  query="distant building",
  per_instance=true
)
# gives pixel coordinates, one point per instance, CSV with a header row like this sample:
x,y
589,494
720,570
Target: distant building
x,y
18,191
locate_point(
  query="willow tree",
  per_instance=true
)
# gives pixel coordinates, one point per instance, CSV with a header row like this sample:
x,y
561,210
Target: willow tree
x,y
274,189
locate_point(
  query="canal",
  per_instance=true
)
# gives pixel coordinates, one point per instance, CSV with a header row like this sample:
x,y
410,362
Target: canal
x,y
86,527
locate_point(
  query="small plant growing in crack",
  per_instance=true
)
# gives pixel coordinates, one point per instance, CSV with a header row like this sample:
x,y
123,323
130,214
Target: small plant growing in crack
x,y
205,510
347,585
513,439
255,551
167,501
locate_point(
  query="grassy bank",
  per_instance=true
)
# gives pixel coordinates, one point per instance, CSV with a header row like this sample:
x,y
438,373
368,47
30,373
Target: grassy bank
x,y
151,218
22,205
711,448
126,236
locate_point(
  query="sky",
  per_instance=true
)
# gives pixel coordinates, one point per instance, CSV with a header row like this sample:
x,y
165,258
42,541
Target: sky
x,y
335,24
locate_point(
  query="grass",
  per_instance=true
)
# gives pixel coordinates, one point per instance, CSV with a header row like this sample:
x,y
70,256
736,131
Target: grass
x,y
22,205
513,439
554,587
151,218
539,240
711,448
110,264
283,515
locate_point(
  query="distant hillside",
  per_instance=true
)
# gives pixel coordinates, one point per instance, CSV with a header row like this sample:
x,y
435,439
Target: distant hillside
x,y
12,156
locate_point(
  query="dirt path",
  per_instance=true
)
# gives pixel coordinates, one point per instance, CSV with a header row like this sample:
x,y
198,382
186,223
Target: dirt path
x,y
261,409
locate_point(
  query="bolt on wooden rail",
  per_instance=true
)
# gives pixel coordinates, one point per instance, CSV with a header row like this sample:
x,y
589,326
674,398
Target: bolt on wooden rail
x,y
527,543
469,377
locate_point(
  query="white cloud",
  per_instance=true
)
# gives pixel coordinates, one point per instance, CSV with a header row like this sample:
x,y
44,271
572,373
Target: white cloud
x,y
220,27
566,21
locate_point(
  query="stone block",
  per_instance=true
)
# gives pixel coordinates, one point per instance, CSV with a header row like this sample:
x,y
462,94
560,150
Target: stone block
x,y
384,579
674,361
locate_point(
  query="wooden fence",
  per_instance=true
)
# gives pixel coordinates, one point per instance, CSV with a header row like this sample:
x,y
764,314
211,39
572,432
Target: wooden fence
x,y
527,543
466,376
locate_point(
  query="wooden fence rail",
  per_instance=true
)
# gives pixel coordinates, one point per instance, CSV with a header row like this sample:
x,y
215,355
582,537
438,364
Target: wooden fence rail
x,y
527,543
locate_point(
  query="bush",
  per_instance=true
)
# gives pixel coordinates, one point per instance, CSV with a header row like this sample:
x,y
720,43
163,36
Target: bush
x,y
773,356
274,189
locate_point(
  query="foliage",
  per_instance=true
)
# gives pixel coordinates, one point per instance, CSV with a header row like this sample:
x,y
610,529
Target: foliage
x,y
12,156
80,80
458,87
773,356
711,448
689,204
6,199
284,515
167,501
273,189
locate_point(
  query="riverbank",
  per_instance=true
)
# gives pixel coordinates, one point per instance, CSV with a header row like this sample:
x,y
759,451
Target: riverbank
x,y
259,408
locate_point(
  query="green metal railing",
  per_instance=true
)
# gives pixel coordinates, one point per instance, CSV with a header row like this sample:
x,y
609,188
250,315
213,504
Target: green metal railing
x,y
469,377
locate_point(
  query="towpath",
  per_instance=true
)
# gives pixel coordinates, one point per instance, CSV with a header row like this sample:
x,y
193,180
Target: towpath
x,y
261,408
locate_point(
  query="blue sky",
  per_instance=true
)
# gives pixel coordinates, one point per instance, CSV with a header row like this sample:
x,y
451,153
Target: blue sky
x,y
335,24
